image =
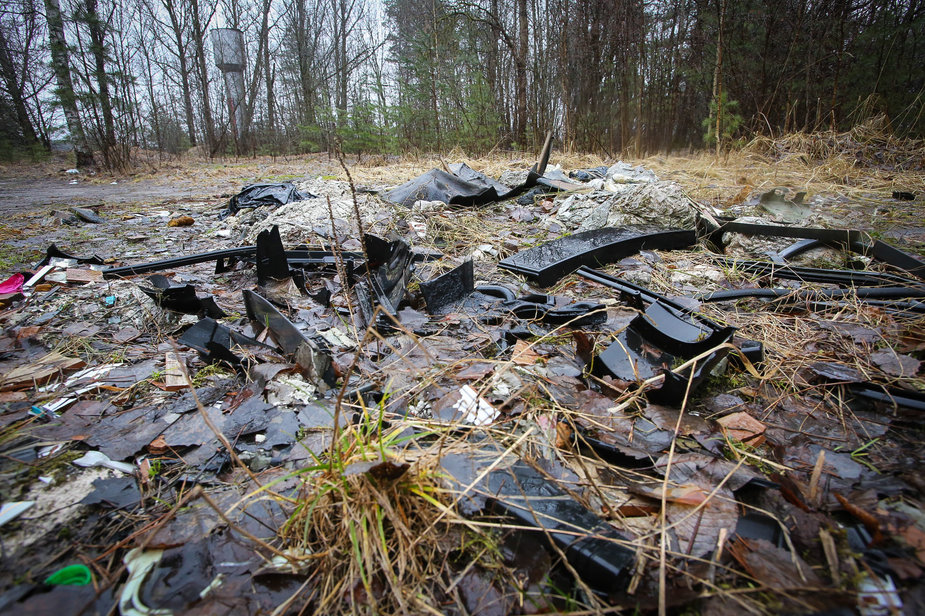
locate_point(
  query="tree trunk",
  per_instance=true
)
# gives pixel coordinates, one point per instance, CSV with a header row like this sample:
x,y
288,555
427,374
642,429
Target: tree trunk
x,y
269,74
177,28
520,67
98,48
718,78
65,90
14,87
199,36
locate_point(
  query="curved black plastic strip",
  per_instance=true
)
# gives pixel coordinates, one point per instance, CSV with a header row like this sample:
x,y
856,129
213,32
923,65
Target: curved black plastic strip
x,y
897,258
549,262
889,395
862,293
797,248
496,290
811,274
843,236
575,314
680,337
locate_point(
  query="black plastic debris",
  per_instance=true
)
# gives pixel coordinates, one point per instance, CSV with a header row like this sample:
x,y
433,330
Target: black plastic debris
x,y
888,297
890,396
165,264
450,288
897,258
460,186
713,234
181,298
632,291
303,258
257,195
116,492
53,252
314,361
271,257
547,263
545,308
755,525
390,279
464,186
530,197
593,548
812,274
657,341
215,342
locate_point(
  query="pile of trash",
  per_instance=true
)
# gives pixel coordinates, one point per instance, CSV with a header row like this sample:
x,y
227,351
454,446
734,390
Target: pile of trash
x,y
621,403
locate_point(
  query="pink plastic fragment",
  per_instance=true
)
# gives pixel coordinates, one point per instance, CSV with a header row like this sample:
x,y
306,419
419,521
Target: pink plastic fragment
x,y
13,284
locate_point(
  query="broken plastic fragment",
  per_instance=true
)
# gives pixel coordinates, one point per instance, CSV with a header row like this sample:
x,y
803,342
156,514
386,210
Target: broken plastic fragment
x,y
10,511
311,357
654,342
139,564
475,409
96,458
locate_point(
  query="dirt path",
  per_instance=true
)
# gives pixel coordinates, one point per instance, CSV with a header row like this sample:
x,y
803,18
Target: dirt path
x,y
19,194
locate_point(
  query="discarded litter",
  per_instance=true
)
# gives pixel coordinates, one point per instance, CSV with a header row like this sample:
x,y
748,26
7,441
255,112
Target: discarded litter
x,y
257,195
72,575
547,439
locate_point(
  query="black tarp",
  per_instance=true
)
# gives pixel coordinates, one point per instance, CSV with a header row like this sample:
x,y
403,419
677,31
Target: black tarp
x,y
256,195
462,185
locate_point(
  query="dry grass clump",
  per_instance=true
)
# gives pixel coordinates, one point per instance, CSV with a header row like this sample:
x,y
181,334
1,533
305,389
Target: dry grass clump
x,y
869,144
379,526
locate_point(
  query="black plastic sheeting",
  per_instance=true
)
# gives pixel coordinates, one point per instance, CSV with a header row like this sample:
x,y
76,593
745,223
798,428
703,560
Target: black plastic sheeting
x,y
586,175
257,195
593,548
547,263
461,185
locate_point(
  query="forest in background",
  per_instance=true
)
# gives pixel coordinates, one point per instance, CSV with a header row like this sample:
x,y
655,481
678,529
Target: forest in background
x,y
119,77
